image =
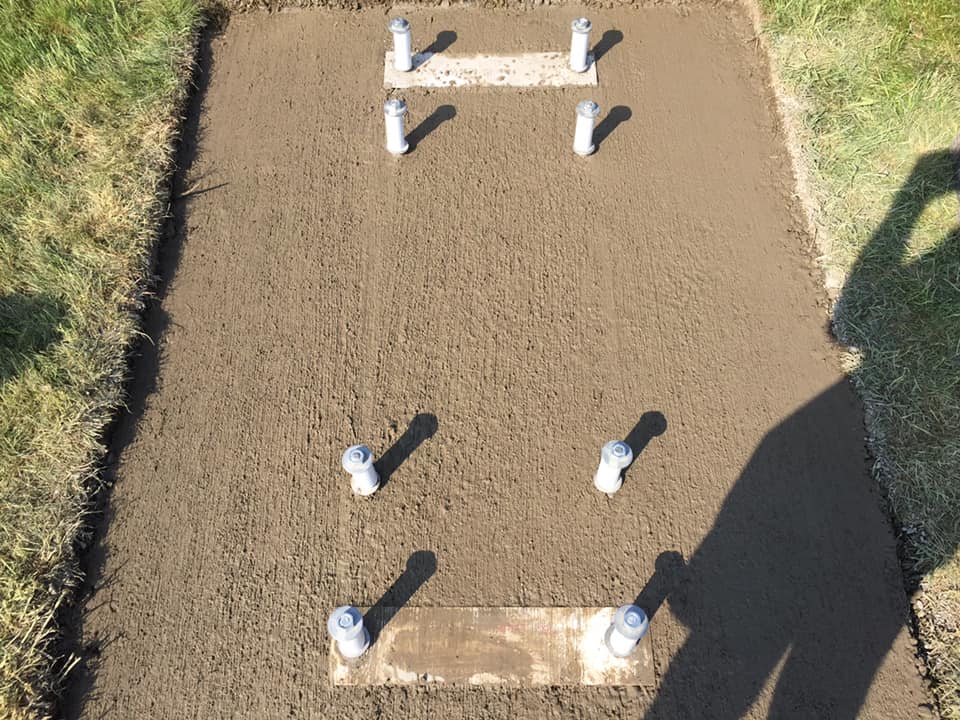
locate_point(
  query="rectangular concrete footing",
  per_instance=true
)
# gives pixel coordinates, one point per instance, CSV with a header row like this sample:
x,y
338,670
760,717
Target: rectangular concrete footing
x,y
491,646
549,69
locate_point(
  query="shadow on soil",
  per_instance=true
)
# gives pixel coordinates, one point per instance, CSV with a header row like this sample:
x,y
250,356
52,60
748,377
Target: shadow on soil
x,y
798,568
618,115
421,566
430,123
445,38
651,424
145,366
422,427
797,572
605,43
29,325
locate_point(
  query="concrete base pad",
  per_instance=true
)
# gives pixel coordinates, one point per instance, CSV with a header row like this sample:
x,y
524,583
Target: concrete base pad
x,y
549,69
492,646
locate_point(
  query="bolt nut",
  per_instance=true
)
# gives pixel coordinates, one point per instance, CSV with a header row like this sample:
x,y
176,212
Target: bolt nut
x,y
631,621
394,107
399,25
588,109
345,623
617,454
581,25
356,459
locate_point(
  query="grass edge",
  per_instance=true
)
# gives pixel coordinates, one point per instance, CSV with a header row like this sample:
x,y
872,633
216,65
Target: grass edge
x,y
788,112
51,636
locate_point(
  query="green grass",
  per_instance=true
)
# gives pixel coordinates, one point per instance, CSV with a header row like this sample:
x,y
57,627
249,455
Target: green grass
x,y
89,91
877,87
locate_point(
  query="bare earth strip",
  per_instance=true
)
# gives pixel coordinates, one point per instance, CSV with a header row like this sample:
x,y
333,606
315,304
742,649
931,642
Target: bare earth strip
x,y
519,306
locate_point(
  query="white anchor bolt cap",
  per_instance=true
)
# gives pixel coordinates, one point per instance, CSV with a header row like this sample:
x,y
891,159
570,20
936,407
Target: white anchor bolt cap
x,y
581,25
617,454
345,626
394,107
356,459
588,109
345,623
631,621
399,24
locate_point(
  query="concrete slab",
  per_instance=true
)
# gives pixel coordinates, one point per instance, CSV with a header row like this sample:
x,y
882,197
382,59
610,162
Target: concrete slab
x,y
492,646
544,69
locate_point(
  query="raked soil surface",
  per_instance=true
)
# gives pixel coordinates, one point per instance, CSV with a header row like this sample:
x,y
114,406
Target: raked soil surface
x,y
485,313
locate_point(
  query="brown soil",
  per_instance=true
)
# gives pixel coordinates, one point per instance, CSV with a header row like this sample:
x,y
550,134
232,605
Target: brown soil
x,y
485,313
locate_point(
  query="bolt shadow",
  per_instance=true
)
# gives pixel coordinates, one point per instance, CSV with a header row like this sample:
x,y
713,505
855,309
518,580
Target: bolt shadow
x,y
421,566
603,46
422,427
430,123
650,425
445,39
666,578
617,115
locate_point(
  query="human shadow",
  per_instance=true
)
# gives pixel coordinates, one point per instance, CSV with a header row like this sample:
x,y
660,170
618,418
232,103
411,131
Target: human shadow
x,y
799,570
900,308
421,566
430,123
29,325
605,43
79,655
799,567
618,114
422,427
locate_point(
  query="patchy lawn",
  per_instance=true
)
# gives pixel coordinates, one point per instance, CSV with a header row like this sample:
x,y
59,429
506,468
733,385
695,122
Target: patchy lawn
x,y
89,93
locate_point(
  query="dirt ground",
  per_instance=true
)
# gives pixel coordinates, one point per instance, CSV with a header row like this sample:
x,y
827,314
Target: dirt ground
x,y
485,313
